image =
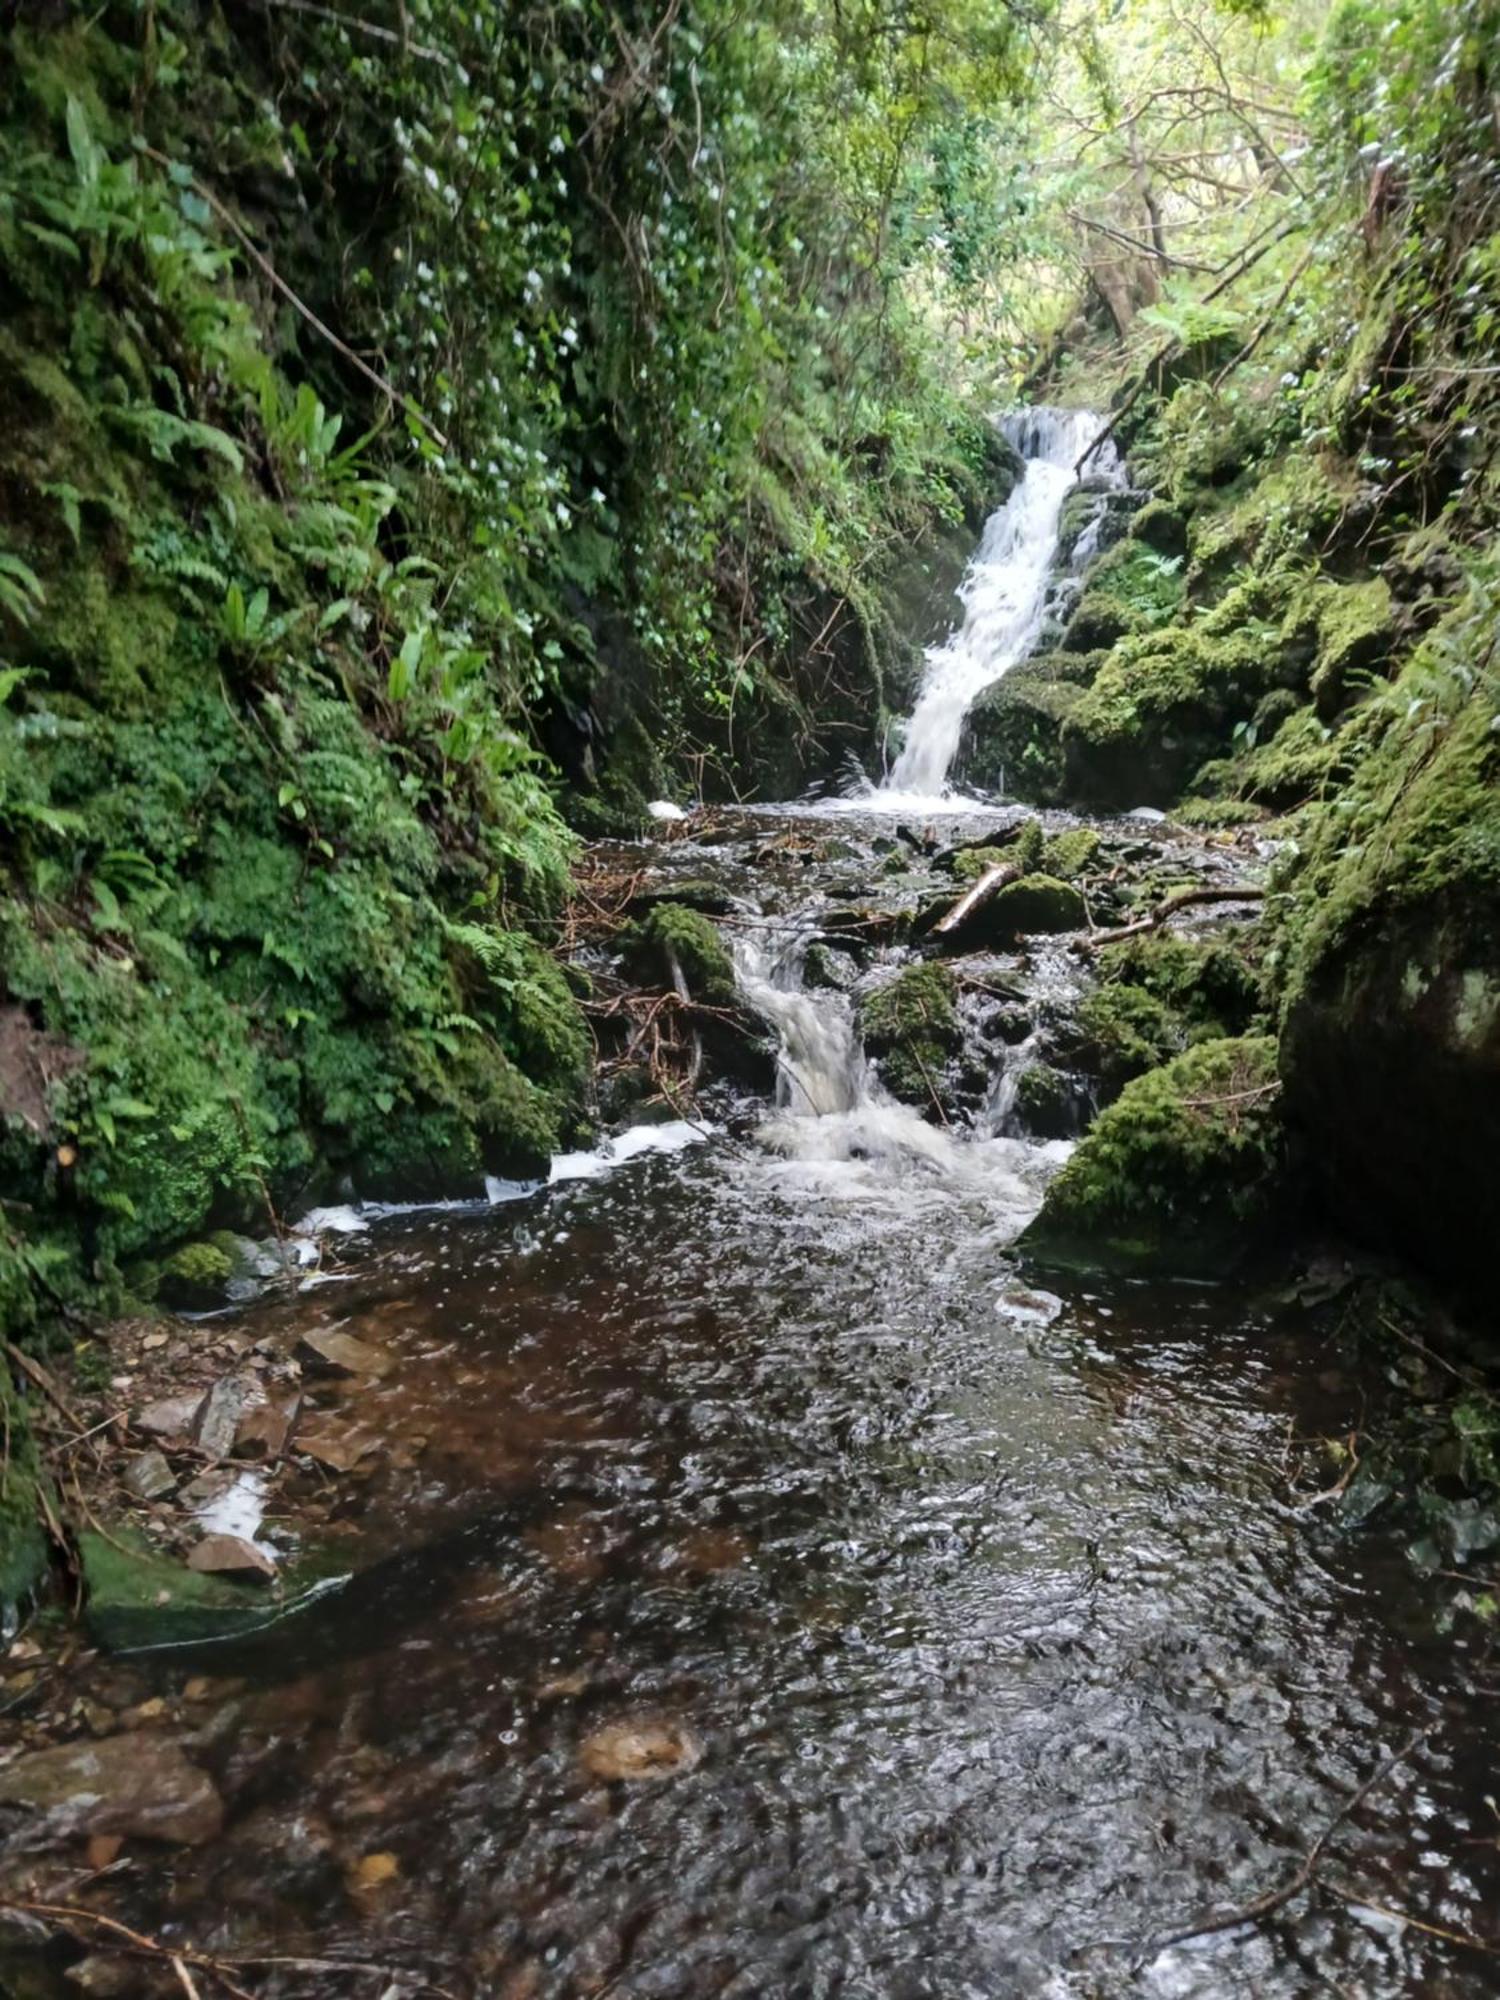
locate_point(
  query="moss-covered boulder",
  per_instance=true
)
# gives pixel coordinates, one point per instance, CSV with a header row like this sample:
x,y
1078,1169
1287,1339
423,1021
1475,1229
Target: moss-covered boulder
x,y
1158,707
910,1028
136,1598
1070,854
1391,964
672,939
1047,1102
1182,1172
1013,735
1156,996
1034,905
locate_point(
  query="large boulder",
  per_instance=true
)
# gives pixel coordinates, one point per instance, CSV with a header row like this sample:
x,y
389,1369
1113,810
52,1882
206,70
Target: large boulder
x,y
1181,1173
1390,1038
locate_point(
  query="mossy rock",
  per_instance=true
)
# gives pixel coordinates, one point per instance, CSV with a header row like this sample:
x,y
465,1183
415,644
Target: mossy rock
x,y
193,1277
138,1600
1013,735
1047,1102
1356,638
1158,995
825,966
1210,814
673,936
910,1029
1071,853
1183,1172
1389,970
1158,707
1035,905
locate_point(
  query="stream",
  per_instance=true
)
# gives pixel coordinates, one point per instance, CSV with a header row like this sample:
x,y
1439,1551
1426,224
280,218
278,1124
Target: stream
x,y
769,1587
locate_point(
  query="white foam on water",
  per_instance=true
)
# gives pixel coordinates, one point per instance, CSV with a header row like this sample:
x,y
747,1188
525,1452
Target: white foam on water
x,y
673,1137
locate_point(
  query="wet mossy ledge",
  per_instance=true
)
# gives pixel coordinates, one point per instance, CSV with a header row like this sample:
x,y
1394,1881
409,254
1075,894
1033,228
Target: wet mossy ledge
x,y
1184,1172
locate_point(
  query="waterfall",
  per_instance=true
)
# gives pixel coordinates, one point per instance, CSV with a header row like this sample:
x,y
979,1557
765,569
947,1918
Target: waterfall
x,y
1004,597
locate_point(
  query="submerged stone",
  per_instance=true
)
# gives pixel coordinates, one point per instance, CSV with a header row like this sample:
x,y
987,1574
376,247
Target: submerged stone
x,y
137,1785
642,1749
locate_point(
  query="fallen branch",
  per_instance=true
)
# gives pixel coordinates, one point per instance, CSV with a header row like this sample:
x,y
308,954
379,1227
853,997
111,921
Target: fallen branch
x,y
1182,900
991,881
371,28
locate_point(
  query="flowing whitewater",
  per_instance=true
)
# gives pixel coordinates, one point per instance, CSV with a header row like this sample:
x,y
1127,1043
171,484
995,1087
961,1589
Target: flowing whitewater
x,y
1004,598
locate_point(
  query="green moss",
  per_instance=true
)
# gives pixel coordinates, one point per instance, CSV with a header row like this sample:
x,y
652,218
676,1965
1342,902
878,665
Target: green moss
x,y
910,1027
1210,813
670,935
976,861
136,1598
1037,903
1069,854
1158,706
1355,641
1045,1102
23,1546
1182,1170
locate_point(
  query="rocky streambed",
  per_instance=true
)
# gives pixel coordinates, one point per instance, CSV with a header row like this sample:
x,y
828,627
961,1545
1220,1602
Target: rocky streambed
x,y
741,1564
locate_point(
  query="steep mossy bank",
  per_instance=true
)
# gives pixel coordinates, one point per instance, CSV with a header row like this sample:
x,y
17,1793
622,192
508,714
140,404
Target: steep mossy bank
x,y
1297,634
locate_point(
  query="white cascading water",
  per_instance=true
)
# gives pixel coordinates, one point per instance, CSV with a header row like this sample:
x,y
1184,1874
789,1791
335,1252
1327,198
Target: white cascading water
x,y
835,1121
1004,597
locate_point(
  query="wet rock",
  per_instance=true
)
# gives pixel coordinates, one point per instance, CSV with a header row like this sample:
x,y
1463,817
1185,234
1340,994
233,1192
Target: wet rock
x,y
230,1555
1181,1173
332,1353
149,1477
910,1029
172,1417
827,967
219,1419
339,1450
135,1597
644,1748
137,1785
264,1429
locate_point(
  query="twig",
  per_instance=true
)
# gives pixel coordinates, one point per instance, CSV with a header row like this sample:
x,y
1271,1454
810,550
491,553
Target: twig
x,y
1182,900
372,28
1302,1876
36,1374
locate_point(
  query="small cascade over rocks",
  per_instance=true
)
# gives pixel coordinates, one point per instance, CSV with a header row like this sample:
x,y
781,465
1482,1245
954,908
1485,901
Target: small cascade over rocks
x,y
1005,599
832,1113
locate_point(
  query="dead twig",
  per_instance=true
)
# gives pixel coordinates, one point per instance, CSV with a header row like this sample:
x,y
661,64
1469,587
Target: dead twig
x,y
1182,900
1302,1877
